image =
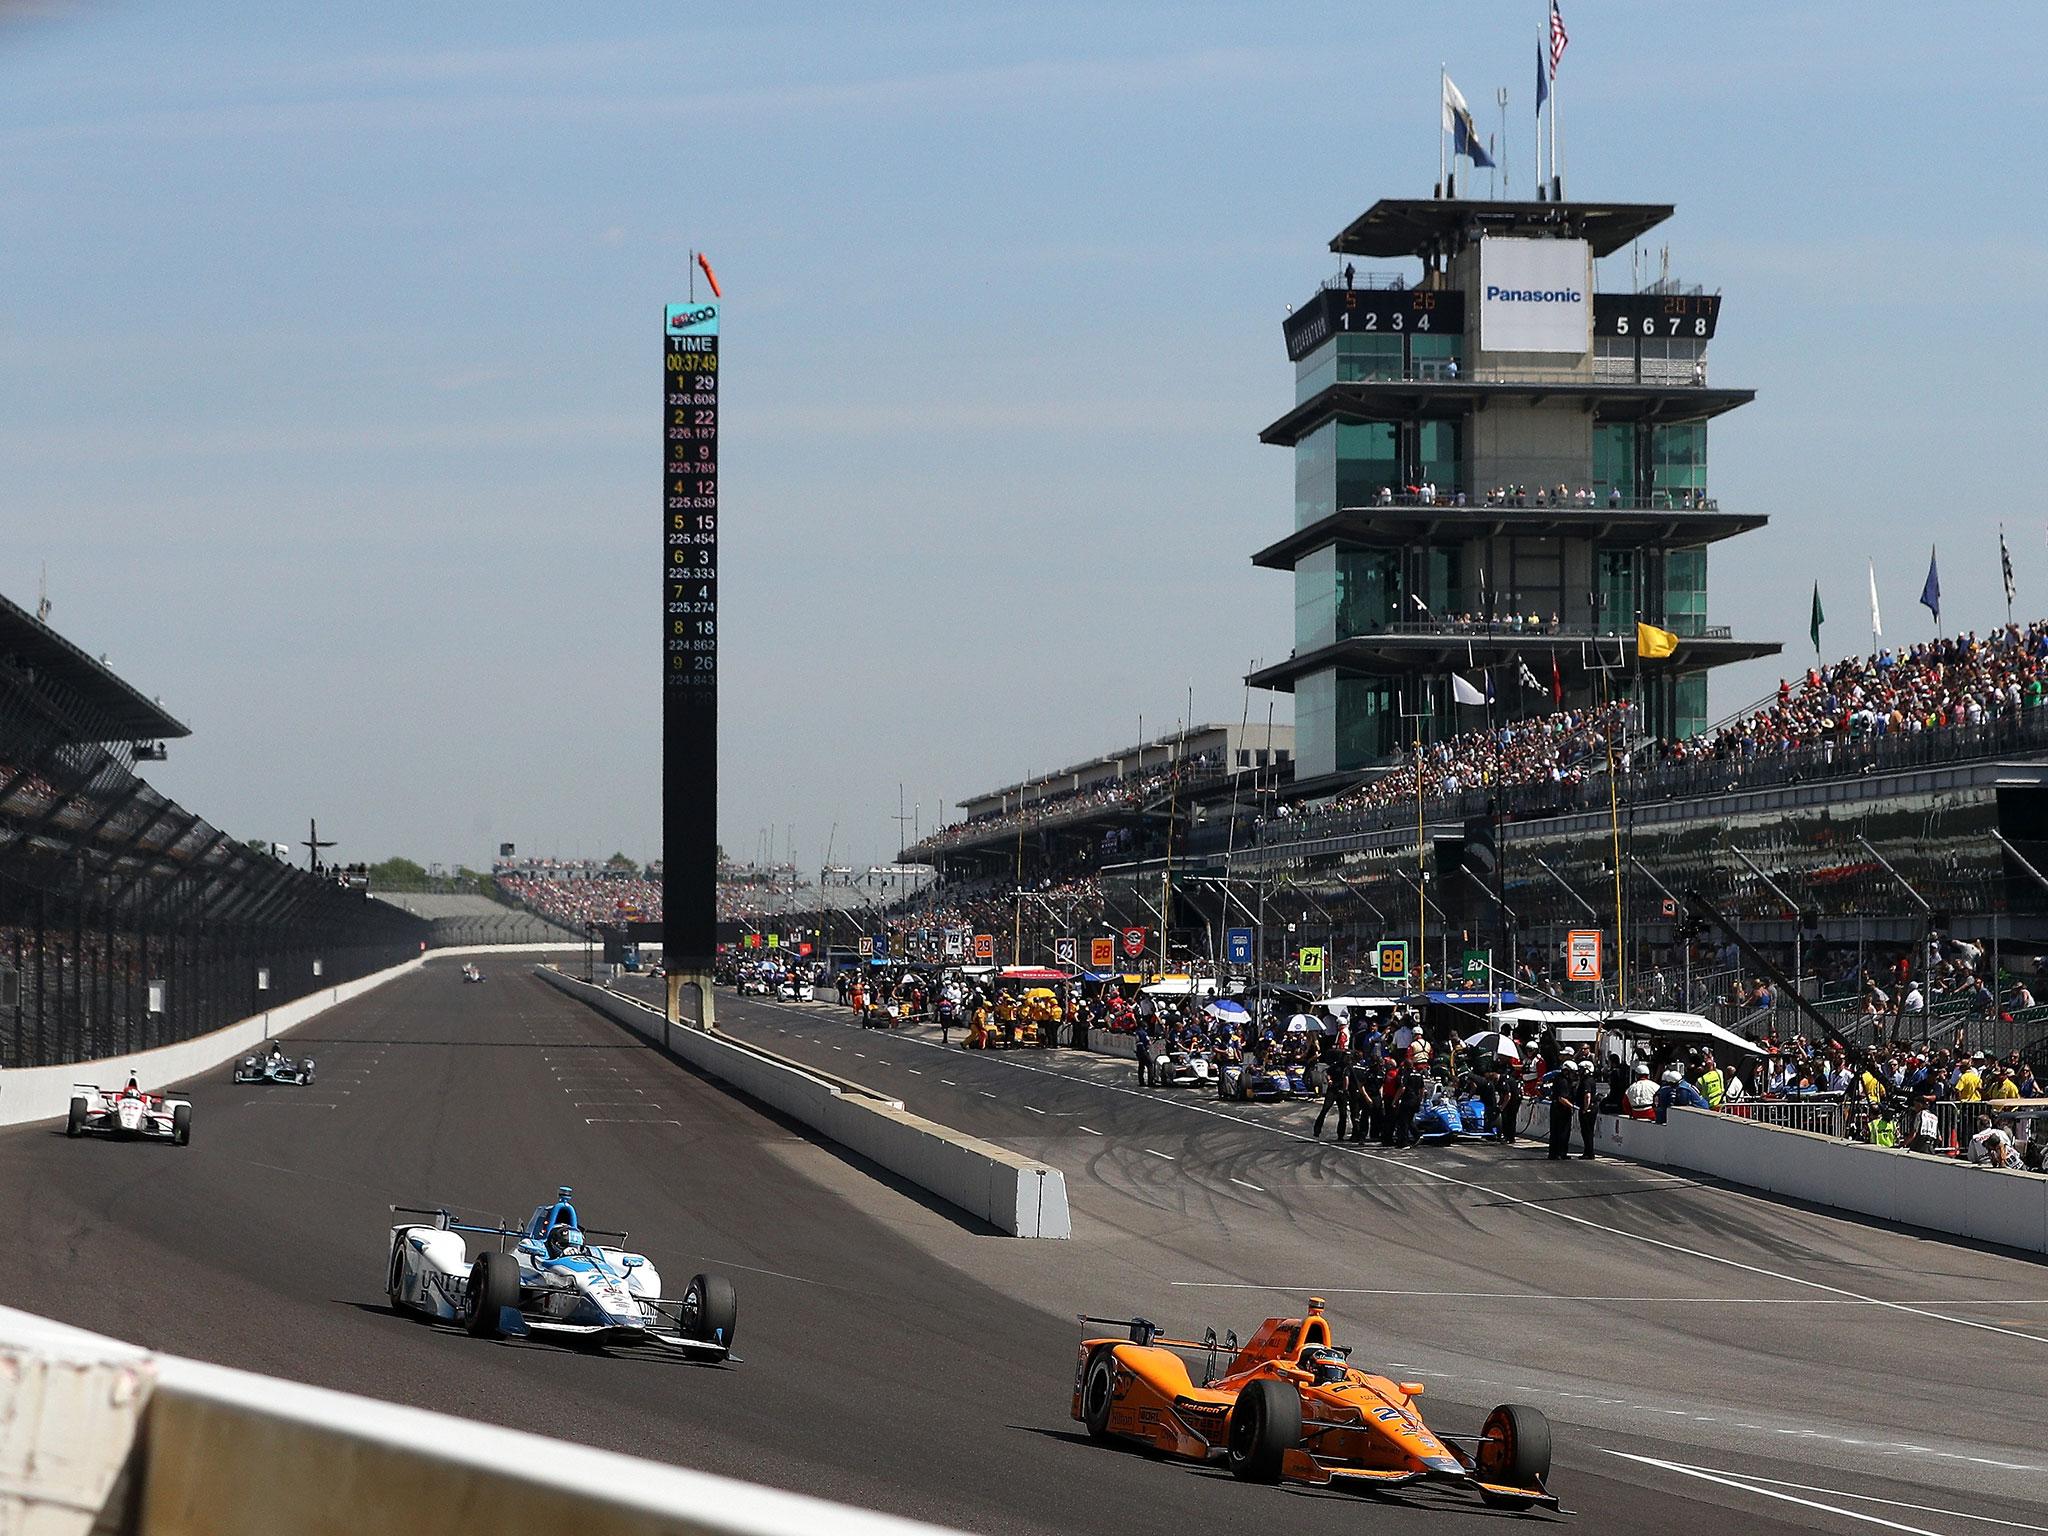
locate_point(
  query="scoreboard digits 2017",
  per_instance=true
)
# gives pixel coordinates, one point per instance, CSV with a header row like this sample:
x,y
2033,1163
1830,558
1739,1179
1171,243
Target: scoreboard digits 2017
x,y
689,626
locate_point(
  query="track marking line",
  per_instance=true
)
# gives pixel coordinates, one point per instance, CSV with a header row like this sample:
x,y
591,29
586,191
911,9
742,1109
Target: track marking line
x,y
1681,1301
1871,1498
612,1104
914,1072
601,1120
949,1082
1091,1130
1034,1109
1707,1475
1167,1155
1247,1184
1534,1207
755,1269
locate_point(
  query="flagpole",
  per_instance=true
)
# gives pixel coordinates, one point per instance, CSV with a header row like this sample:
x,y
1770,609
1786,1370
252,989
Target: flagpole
x,y
1556,178
1443,154
1507,182
2004,569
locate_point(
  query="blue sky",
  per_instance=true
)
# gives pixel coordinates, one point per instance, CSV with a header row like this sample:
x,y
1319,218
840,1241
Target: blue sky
x,y
328,361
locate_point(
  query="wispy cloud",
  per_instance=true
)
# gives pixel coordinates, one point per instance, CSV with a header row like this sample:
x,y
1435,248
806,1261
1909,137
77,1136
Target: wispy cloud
x,y
951,90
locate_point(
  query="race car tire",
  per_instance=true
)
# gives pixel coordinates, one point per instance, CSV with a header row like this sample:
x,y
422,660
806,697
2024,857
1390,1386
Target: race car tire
x,y
493,1286
712,1310
1098,1393
181,1125
1514,1447
1264,1426
75,1125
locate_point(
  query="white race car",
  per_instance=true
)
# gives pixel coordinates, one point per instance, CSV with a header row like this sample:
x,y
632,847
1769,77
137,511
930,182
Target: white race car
x,y
129,1113
1182,1069
552,1280
470,972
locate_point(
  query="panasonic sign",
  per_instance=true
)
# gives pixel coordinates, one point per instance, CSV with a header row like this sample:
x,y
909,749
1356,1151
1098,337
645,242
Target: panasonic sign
x,y
1534,296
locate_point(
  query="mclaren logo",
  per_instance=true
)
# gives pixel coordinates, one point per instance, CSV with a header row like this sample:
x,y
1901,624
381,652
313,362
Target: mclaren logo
x,y
1187,1407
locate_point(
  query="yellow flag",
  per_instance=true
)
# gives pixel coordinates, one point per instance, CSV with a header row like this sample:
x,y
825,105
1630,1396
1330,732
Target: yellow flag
x,y
1652,642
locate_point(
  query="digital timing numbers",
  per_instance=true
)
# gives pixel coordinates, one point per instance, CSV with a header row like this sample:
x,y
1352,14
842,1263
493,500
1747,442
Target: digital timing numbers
x,y
1370,312
1687,315
690,516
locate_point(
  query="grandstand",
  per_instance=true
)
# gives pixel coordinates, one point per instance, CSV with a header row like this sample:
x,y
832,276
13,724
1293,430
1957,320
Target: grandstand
x,y
127,921
456,917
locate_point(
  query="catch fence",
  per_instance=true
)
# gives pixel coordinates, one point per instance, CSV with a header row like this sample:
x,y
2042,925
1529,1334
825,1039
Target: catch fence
x,y
128,922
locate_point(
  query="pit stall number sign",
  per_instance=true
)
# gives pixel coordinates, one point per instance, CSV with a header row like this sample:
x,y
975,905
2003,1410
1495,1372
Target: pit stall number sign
x,y
1582,954
690,629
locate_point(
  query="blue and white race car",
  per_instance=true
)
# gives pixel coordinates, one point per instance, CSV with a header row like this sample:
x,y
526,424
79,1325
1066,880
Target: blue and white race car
x,y
550,1278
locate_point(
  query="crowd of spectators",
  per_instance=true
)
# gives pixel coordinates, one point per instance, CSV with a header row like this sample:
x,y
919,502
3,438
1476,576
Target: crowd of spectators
x,y
602,896
1109,794
1939,685
1946,685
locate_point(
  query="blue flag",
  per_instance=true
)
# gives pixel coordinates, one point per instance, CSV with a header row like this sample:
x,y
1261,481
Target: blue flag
x,y
1464,132
1930,595
1542,79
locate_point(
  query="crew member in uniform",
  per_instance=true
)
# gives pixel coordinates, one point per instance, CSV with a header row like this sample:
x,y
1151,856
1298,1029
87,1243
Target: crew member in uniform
x,y
1142,1040
1587,1100
1336,1090
1559,1083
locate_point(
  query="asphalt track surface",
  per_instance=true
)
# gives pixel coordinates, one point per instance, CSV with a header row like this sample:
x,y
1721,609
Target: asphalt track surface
x,y
1700,1352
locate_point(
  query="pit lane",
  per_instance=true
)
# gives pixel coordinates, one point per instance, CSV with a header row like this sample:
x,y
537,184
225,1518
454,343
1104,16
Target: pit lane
x,y
897,1358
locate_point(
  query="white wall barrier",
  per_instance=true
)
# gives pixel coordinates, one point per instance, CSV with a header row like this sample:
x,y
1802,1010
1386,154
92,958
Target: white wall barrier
x,y
44,1093
1939,1194
98,1436
1014,1194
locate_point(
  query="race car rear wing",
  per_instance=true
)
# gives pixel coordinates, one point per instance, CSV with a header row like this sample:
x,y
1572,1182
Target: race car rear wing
x,y
1144,1331
444,1220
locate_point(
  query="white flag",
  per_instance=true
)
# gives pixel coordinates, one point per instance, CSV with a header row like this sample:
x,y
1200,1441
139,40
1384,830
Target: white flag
x,y
1464,692
1876,625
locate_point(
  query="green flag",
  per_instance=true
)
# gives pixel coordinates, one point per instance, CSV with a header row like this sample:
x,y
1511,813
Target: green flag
x,y
1818,616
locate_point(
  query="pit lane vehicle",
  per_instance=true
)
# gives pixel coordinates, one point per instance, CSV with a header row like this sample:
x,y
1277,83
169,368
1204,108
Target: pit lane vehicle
x,y
753,986
1444,1118
793,991
275,1067
552,1281
470,972
1290,1406
129,1113
1266,1084
1182,1069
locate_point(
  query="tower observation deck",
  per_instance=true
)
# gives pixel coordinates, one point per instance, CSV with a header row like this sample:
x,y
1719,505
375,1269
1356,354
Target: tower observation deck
x,y
1496,469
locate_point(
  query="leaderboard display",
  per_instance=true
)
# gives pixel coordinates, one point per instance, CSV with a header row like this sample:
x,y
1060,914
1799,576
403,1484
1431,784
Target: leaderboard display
x,y
689,627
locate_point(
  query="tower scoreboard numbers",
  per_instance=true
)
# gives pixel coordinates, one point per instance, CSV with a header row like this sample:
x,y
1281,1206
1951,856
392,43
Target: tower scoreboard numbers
x,y
1688,316
689,629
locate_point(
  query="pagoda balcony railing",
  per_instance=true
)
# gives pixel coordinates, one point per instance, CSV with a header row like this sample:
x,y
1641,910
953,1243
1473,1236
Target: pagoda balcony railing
x,y
1530,498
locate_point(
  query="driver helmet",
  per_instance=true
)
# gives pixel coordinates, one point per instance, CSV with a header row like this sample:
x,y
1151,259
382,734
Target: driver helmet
x,y
1671,1075
563,1239
1326,1366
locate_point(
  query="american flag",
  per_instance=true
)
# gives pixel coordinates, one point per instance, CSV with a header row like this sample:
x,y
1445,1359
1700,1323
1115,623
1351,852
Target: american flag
x,y
1558,37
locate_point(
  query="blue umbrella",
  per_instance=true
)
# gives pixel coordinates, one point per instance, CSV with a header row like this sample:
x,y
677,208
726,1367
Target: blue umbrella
x,y
1228,1012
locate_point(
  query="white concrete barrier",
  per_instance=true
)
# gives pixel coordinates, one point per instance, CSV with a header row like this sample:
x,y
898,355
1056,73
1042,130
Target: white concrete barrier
x,y
1938,1194
44,1093
101,1436
1017,1195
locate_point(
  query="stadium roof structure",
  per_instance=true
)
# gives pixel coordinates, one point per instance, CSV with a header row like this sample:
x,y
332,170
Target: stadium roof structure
x,y
96,705
1417,226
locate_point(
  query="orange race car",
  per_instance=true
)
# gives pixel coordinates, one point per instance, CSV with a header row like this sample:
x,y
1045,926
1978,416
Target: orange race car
x,y
1290,1405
